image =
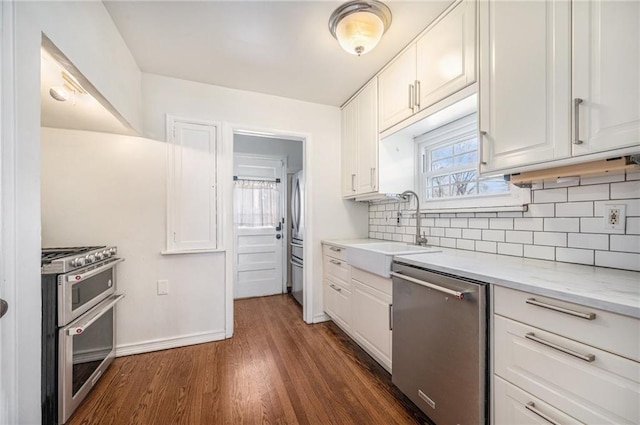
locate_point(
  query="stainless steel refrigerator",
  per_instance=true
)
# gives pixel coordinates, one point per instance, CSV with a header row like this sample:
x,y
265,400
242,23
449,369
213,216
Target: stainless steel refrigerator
x,y
297,235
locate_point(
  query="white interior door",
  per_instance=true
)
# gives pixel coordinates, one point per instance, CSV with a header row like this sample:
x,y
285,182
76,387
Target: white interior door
x,y
258,225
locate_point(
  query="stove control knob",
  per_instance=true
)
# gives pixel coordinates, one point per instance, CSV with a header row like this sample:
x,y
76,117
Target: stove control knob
x,y
114,250
99,256
77,262
90,258
106,253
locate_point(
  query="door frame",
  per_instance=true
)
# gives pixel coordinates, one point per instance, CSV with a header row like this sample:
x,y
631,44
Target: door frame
x,y
283,205
228,131
10,364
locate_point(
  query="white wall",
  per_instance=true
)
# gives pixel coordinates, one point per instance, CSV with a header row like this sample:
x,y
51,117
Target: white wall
x,y
123,204
291,149
329,215
85,34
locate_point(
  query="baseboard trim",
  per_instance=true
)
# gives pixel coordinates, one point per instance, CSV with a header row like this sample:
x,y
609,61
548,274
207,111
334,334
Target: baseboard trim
x,y
166,343
322,317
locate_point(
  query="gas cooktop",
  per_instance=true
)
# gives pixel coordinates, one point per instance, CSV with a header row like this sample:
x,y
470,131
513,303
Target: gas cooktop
x,y
64,259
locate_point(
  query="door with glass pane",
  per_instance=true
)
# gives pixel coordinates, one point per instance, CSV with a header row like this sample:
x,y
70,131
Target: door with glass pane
x,y
258,202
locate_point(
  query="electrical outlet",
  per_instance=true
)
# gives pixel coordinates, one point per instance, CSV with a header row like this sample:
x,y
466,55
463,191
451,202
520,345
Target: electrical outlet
x,y
163,287
615,216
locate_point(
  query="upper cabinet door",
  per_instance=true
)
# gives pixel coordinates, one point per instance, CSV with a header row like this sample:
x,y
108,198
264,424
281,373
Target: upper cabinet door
x,y
396,86
349,148
606,75
367,154
446,55
525,100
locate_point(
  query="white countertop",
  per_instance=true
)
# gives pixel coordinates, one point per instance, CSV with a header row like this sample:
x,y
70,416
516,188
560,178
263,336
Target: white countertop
x,y
598,287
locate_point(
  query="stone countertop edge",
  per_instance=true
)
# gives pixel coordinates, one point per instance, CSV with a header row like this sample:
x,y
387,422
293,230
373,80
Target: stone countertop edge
x,y
613,290
345,243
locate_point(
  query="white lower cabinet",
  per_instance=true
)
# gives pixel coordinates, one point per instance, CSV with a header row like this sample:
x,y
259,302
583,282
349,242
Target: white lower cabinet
x,y
562,372
514,406
359,303
372,321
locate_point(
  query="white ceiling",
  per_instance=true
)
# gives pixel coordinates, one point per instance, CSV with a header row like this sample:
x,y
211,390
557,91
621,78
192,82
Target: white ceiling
x,y
282,48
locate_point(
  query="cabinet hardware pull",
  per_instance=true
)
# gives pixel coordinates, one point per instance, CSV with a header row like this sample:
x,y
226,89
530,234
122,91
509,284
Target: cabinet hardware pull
x,y
336,288
481,153
458,295
353,182
411,96
587,316
586,357
335,262
390,317
417,101
531,406
335,248
576,120
373,177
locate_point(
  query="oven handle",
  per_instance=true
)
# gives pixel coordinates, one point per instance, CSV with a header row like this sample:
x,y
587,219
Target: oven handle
x,y
457,294
77,330
83,276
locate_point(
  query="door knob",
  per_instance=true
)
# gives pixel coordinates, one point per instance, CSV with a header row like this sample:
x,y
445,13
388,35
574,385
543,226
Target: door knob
x,y
278,236
4,306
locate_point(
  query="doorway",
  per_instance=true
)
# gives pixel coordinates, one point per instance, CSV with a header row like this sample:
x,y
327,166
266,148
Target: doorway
x,y
263,169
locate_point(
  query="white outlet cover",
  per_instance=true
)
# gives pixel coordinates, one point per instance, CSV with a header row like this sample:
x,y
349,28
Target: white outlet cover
x,y
622,216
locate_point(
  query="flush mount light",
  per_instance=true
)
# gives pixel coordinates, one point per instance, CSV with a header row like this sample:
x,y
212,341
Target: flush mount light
x,y
358,25
70,85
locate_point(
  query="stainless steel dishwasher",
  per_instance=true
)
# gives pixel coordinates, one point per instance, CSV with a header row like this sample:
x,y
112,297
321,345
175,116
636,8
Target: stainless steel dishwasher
x,y
440,344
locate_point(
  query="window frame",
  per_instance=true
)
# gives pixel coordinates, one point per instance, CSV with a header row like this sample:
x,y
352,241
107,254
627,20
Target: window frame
x,y
453,132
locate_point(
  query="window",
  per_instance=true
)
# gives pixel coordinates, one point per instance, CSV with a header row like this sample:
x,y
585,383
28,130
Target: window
x,y
449,174
192,205
256,203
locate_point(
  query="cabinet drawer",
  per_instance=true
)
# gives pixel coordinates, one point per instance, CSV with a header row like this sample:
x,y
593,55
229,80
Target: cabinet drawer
x,y
337,303
604,390
337,270
336,252
608,331
514,406
379,283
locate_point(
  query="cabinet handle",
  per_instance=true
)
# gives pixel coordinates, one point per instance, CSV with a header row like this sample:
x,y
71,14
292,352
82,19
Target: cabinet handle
x,y
586,357
411,96
390,317
334,287
587,316
373,177
483,134
353,182
576,120
335,262
531,406
335,248
417,101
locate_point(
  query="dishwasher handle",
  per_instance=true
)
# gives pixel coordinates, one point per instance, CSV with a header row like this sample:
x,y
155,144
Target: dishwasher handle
x,y
457,294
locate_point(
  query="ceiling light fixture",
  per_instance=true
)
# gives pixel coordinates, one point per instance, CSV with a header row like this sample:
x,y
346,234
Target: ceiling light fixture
x,y
61,93
358,25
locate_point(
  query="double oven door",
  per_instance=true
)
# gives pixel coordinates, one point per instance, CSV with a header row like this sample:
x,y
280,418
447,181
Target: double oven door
x,y
78,335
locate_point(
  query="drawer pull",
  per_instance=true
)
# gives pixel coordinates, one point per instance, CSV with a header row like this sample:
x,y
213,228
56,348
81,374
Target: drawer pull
x,y
335,248
337,263
336,288
586,357
531,406
587,316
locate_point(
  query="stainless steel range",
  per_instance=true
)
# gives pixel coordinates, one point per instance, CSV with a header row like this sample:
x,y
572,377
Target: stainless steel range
x,y
78,324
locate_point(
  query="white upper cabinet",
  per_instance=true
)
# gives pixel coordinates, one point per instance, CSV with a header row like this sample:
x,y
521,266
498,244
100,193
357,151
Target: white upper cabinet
x,y
441,62
606,75
360,143
524,91
446,55
558,80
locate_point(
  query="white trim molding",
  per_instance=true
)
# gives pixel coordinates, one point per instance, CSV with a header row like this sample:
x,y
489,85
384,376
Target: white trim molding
x,y
166,343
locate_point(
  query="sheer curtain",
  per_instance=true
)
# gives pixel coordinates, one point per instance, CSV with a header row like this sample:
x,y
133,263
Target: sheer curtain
x,y
256,203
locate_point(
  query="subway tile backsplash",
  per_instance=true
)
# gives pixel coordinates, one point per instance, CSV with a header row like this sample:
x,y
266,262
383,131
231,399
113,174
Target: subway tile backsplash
x,y
563,224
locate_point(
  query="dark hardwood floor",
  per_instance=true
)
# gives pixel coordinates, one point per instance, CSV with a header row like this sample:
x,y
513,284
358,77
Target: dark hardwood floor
x,y
275,370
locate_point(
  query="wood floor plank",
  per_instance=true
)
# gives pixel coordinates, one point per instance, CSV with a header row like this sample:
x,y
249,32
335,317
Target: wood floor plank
x,y
275,370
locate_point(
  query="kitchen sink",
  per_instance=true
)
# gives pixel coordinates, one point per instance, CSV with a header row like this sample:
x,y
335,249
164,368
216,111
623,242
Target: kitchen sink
x,y
376,257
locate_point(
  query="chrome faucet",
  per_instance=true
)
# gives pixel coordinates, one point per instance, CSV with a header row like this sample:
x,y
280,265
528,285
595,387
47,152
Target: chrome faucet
x,y
420,240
